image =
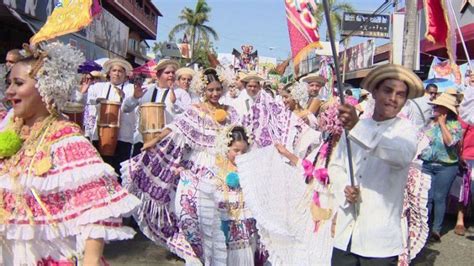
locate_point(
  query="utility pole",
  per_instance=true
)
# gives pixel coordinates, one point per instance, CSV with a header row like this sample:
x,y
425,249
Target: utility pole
x,y
409,43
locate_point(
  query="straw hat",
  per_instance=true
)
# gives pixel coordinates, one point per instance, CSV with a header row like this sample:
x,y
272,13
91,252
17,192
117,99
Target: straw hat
x,y
163,63
117,61
241,75
98,74
392,71
185,71
451,91
252,76
313,77
446,100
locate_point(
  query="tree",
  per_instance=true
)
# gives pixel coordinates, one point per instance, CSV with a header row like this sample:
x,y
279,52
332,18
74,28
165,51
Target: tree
x,y
336,10
194,25
409,40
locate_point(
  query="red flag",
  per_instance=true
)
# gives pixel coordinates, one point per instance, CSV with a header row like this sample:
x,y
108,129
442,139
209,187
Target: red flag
x,y
302,27
440,25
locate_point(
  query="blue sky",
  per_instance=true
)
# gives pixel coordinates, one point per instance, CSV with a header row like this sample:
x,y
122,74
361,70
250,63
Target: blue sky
x,y
261,23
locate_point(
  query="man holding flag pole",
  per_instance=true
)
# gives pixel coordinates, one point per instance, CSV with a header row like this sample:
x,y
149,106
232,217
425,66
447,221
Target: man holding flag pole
x,y
369,186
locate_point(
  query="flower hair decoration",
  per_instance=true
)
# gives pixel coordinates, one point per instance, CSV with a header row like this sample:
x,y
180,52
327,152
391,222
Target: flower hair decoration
x,y
55,71
299,92
199,82
224,138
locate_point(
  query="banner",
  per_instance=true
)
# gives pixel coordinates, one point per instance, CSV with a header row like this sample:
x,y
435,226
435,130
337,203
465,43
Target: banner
x,y
446,70
359,56
67,17
440,25
302,28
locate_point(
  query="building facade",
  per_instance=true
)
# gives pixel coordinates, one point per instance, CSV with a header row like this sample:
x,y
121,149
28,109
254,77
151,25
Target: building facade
x,y
119,31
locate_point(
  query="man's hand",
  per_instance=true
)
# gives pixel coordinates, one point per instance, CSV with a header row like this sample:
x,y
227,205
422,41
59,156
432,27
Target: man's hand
x,y
138,91
352,194
348,116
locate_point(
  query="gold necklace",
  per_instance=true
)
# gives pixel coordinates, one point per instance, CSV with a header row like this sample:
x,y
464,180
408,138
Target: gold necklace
x,y
33,143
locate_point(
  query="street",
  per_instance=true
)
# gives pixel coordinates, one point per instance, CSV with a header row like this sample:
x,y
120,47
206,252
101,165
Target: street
x,y
453,250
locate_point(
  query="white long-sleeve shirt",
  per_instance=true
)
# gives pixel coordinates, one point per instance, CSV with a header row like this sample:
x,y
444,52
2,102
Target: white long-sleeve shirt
x,y
183,101
466,109
381,154
127,120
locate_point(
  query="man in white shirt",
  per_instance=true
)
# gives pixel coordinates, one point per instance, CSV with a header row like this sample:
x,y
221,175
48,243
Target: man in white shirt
x,y
247,96
162,92
315,84
368,220
184,96
117,89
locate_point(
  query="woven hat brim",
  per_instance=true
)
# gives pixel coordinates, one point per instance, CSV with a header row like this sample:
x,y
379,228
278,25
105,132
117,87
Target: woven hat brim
x,y
314,78
117,61
163,64
185,71
250,77
391,71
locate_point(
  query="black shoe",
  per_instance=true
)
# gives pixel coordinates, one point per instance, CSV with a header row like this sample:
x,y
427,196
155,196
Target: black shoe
x,y
435,237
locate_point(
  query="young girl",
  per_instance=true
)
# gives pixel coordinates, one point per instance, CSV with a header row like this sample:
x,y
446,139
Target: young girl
x,y
230,233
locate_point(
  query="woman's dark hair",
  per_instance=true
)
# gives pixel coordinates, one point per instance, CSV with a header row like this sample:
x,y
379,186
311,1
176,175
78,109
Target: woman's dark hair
x,y
238,134
211,75
348,92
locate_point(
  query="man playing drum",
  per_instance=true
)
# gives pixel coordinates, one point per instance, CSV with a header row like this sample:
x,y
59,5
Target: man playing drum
x,y
163,92
114,92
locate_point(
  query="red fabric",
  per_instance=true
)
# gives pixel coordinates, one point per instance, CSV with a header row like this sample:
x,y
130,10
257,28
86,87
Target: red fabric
x,y
96,8
436,24
147,69
302,26
468,141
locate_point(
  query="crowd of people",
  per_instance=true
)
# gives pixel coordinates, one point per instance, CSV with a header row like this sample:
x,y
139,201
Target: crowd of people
x,y
221,169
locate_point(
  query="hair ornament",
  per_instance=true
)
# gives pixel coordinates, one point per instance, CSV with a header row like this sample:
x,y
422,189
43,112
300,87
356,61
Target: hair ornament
x,y
224,138
55,71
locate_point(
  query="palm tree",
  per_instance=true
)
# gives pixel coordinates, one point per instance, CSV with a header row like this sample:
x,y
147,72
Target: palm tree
x,y
336,10
194,25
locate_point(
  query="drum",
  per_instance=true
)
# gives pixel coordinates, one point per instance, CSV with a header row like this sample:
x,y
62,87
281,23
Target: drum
x,y
152,120
75,112
108,124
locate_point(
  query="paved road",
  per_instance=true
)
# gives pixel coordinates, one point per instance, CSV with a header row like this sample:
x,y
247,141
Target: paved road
x,y
452,251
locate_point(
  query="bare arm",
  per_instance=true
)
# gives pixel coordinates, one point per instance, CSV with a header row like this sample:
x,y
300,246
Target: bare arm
x,y
157,139
285,152
93,252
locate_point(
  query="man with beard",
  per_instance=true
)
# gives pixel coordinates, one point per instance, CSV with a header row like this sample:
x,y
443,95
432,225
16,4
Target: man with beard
x,y
368,228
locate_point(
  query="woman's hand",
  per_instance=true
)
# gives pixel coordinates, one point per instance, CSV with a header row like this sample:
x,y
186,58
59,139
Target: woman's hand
x,y
152,143
285,152
442,119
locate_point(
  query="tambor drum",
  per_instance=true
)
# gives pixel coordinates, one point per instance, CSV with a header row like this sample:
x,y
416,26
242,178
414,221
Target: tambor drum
x,y
75,112
108,125
152,120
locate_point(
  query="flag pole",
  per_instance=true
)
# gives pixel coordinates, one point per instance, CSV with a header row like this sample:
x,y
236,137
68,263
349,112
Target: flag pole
x,y
339,86
460,33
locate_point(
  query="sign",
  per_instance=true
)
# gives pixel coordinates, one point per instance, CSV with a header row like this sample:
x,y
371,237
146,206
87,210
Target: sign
x,y
359,56
366,25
